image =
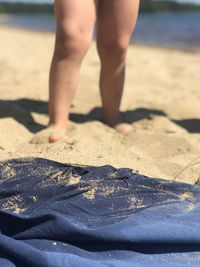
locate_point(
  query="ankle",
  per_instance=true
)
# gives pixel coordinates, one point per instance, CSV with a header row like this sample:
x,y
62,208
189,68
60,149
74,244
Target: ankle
x,y
111,121
57,126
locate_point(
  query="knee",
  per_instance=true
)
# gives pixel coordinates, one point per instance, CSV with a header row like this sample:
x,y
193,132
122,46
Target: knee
x,y
113,54
71,40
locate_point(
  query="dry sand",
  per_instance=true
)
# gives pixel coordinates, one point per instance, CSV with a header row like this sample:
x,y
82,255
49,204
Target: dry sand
x,y
161,101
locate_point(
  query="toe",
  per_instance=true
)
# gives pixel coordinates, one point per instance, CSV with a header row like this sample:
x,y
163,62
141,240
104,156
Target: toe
x,y
53,139
123,128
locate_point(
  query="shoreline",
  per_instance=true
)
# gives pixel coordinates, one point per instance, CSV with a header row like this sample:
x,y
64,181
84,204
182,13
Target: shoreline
x,y
164,47
147,42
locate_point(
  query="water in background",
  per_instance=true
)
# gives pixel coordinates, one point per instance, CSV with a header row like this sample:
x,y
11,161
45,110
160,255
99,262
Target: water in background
x,y
33,22
178,30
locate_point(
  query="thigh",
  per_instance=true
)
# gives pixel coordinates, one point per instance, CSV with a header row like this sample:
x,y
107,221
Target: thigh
x,y
116,19
77,15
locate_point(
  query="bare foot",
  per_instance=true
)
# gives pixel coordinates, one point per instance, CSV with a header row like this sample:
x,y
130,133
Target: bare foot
x,y
123,127
120,126
48,135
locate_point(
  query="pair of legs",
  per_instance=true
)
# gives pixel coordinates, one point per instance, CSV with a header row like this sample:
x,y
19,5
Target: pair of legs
x,y
75,23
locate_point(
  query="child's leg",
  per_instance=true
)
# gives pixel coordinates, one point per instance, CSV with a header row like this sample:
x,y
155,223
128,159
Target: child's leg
x,y
115,22
75,22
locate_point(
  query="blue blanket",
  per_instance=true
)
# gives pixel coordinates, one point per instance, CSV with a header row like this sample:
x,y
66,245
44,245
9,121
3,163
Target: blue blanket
x,y
57,215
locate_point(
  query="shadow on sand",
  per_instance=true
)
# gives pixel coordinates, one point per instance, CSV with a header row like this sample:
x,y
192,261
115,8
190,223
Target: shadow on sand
x,y
20,110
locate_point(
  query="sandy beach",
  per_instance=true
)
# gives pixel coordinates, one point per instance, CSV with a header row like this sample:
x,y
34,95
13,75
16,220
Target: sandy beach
x,y
161,101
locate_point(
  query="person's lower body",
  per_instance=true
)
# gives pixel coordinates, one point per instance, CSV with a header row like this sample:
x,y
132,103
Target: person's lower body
x,y
115,23
75,23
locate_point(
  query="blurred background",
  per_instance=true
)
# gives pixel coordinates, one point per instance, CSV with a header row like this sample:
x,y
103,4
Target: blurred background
x,y
173,24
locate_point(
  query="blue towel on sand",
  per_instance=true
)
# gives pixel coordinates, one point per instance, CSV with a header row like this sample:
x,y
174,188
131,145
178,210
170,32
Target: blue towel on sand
x,y
57,215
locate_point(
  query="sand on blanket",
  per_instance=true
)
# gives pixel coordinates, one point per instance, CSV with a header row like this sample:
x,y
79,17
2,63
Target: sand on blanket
x,y
161,101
